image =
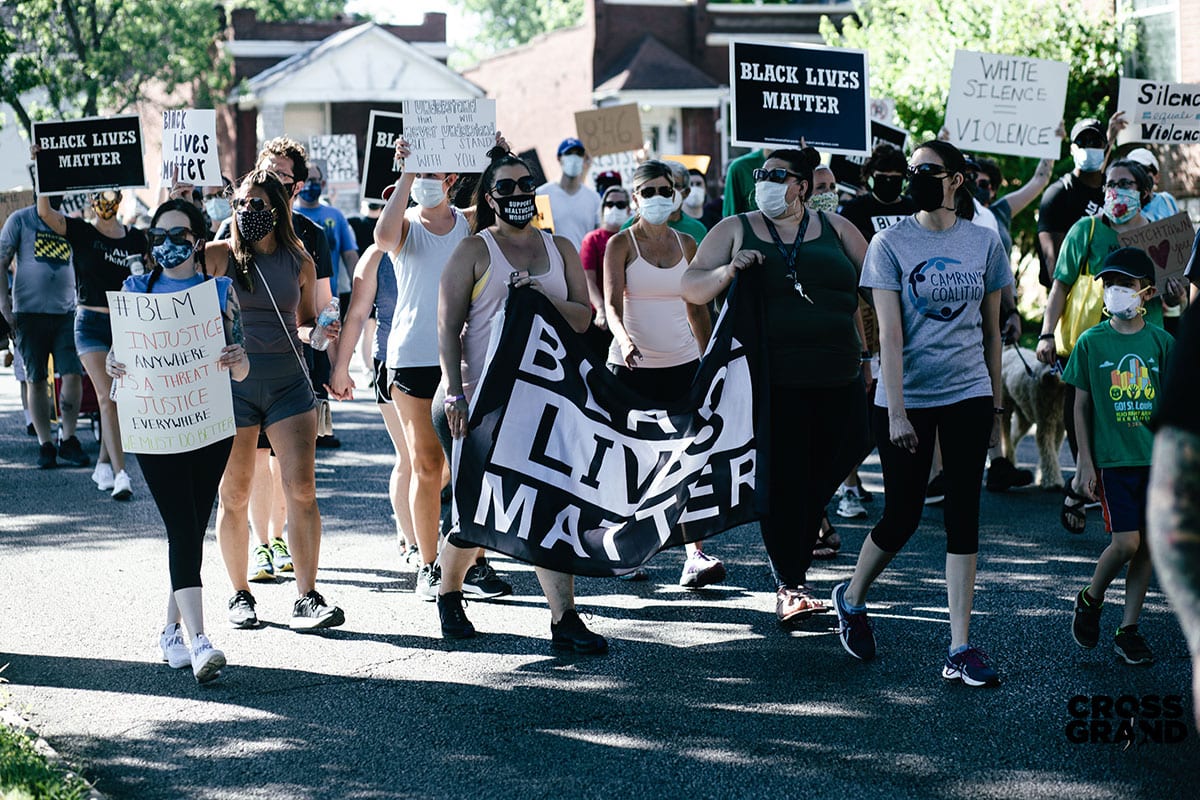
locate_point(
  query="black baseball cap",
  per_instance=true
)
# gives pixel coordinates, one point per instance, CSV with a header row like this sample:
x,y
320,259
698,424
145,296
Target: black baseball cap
x,y
1085,125
1131,261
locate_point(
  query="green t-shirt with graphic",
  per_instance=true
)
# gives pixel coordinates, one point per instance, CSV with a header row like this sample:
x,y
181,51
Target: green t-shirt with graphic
x,y
1121,372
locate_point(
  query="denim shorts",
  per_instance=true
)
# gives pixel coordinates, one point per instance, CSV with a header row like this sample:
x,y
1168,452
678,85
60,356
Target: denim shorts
x,y
93,331
41,335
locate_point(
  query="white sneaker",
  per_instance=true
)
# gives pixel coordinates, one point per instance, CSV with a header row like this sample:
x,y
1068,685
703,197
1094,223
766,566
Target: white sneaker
x,y
206,659
122,488
849,506
174,649
701,569
102,475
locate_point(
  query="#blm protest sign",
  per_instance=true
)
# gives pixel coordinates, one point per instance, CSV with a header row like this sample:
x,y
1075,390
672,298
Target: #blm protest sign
x,y
173,398
847,170
605,131
449,135
566,468
1162,113
13,201
1006,104
381,168
1168,242
339,153
89,154
782,93
189,148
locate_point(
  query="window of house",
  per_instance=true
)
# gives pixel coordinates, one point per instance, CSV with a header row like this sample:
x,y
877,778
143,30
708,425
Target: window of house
x,y
1156,56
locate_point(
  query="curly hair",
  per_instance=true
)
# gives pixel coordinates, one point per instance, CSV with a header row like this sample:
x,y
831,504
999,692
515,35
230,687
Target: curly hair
x,y
285,147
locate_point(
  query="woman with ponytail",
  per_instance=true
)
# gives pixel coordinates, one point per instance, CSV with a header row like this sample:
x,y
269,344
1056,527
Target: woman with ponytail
x,y
184,485
936,282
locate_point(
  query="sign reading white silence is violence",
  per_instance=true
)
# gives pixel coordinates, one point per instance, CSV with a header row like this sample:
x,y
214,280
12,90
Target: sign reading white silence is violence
x,y
565,468
89,154
782,93
173,397
1006,104
1162,113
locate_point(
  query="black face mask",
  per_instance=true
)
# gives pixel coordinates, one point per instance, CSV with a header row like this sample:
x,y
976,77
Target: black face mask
x,y
254,225
926,192
517,210
983,194
886,188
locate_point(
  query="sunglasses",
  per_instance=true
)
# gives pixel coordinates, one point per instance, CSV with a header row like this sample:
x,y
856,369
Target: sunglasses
x,y
1121,184
777,175
506,186
252,203
616,204
177,235
662,191
928,170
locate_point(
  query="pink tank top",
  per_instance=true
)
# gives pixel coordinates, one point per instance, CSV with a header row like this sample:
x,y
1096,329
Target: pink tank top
x,y
487,301
655,314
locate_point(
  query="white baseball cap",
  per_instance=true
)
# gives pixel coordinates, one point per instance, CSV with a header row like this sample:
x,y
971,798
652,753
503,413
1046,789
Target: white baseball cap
x,y
1144,157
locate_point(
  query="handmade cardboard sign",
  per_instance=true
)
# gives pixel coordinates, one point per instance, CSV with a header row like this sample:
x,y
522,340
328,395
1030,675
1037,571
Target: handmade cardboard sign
x,y
339,153
615,129
1168,242
189,148
89,154
544,218
449,135
13,201
1158,112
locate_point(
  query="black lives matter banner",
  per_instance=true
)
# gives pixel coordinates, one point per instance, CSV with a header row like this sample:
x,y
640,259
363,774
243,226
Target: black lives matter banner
x,y
380,166
566,468
782,93
89,154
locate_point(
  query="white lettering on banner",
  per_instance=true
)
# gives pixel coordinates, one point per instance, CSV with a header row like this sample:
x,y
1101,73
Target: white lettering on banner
x,y
492,496
543,340
566,529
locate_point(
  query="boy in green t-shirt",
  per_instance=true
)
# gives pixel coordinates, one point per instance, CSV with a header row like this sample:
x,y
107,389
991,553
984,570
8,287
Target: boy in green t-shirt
x,y
1115,371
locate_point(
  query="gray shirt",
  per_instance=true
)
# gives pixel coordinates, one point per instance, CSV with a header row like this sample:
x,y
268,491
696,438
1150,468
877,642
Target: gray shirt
x,y
43,278
942,277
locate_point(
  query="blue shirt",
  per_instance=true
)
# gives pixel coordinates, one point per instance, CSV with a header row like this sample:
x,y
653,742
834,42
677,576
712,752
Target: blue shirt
x,y
338,233
165,285
385,306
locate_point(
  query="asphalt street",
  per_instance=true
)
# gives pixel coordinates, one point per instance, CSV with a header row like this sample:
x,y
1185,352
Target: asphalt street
x,y
703,695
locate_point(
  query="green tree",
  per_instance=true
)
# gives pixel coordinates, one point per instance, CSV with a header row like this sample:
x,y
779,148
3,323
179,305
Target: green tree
x,y
508,23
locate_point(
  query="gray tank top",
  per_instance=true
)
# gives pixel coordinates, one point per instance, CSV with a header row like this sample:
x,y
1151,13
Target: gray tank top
x,y
263,331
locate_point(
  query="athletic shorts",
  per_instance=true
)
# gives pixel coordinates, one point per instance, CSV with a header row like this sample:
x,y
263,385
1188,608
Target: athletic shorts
x,y
1123,498
38,337
93,331
381,382
420,382
274,390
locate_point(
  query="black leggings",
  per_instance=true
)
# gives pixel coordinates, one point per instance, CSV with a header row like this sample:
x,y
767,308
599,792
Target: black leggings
x,y
963,429
660,384
816,437
184,487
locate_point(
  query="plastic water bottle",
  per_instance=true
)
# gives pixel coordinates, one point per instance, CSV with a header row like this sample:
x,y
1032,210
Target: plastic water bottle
x,y
319,340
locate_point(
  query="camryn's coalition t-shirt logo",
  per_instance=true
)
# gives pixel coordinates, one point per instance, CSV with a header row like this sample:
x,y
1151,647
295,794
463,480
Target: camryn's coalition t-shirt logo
x,y
942,288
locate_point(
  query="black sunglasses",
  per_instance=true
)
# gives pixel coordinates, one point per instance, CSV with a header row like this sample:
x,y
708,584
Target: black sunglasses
x,y
929,170
777,175
506,186
616,204
252,203
662,191
177,235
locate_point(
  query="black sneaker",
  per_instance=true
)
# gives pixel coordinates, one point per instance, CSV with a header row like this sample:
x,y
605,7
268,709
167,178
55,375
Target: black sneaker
x,y
47,456
1002,476
329,442
455,624
312,612
935,492
482,582
29,430
241,610
1131,646
570,633
70,451
1085,628
854,628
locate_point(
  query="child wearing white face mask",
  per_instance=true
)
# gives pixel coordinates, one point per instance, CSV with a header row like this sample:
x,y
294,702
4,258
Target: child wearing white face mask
x,y
1115,369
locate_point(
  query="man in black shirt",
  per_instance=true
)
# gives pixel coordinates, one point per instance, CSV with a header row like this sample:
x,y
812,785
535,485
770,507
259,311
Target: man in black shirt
x,y
1077,194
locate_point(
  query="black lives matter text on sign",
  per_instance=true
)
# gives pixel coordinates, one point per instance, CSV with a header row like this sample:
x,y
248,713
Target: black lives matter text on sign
x,y
380,166
89,154
782,93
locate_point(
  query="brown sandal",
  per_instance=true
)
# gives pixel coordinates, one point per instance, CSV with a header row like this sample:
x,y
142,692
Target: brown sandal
x,y
794,603
828,541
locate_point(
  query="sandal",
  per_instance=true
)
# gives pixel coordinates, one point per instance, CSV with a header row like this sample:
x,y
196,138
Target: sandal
x,y
794,603
1073,516
828,541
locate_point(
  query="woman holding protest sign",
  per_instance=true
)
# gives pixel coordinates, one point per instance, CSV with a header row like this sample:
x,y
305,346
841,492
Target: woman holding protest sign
x,y
275,280
811,262
184,485
658,338
504,251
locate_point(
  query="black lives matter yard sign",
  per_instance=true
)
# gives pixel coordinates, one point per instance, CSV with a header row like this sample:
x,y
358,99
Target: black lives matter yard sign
x,y
782,93
89,154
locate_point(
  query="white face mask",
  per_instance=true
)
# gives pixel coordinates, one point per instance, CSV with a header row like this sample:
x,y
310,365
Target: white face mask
x,y
615,216
676,201
218,209
696,197
1122,302
655,210
771,198
1087,159
825,201
428,192
572,165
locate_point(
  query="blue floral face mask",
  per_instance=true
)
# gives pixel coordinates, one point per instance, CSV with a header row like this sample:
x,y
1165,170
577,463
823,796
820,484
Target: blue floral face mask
x,y
169,254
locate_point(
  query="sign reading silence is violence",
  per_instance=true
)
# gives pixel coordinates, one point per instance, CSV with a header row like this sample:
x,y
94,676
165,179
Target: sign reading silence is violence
x,y
85,155
783,93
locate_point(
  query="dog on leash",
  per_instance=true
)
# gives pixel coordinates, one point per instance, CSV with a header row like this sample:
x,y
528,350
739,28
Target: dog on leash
x,y
1033,396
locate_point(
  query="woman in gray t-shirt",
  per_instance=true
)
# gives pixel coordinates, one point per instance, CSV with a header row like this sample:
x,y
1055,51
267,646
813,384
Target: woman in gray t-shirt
x,y
936,282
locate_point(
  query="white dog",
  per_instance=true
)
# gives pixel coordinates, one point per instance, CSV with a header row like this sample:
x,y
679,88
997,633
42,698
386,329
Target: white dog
x,y
1033,395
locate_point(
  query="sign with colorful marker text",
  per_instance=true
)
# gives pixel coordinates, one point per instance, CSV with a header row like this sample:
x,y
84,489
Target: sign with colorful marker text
x,y
381,168
605,131
173,397
1158,112
189,148
339,153
89,154
1006,104
783,93
1168,242
449,135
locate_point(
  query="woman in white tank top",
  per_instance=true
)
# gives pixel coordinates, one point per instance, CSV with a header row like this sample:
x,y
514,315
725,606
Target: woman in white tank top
x,y
658,337
475,283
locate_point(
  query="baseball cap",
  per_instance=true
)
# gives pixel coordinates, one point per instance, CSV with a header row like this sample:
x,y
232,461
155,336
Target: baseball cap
x,y
1144,157
570,144
1131,261
1088,125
